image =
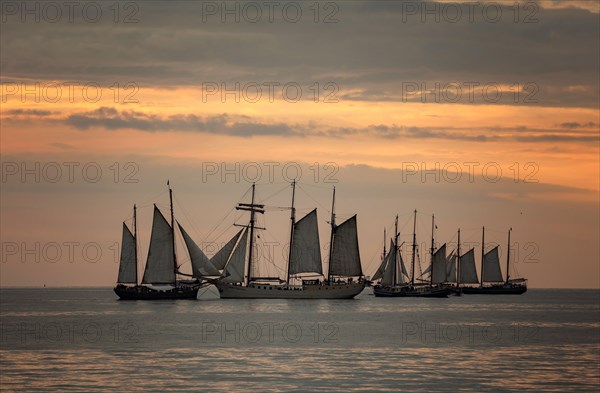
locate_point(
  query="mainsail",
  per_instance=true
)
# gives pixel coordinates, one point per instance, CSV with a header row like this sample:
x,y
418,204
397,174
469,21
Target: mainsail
x,y
390,270
306,253
127,265
491,267
345,256
160,265
451,267
234,268
468,273
220,258
438,274
201,266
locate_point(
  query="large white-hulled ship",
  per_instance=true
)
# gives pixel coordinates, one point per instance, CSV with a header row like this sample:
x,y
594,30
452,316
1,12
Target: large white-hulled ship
x,y
343,281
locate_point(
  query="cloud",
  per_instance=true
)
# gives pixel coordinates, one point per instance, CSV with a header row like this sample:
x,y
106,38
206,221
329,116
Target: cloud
x,y
30,112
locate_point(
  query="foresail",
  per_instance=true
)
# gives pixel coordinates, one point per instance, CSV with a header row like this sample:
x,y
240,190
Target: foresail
x,y
160,265
451,267
222,256
390,269
345,258
306,253
379,273
491,267
127,265
201,266
438,264
234,268
468,272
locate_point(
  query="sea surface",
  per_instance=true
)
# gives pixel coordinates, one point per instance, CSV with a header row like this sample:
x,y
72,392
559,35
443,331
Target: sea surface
x,y
85,340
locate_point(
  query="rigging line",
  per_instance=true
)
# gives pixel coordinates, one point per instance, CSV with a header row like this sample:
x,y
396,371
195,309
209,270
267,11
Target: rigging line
x,y
318,186
214,228
314,200
275,193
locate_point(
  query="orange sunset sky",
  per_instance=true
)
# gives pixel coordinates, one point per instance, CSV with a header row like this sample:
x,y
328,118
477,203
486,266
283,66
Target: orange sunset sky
x,y
385,92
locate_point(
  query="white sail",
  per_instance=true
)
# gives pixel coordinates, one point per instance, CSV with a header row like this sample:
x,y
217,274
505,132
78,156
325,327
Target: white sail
x,y
403,267
127,265
379,273
234,269
451,267
201,266
306,253
491,267
345,256
220,258
160,267
438,264
468,272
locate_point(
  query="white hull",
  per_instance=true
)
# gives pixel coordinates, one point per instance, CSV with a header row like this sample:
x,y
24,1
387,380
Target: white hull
x,y
265,291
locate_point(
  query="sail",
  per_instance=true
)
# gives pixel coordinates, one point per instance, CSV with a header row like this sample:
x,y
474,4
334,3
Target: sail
x,y
468,273
220,258
345,256
404,272
379,273
127,265
201,266
390,270
438,264
491,267
234,269
306,253
451,267
160,265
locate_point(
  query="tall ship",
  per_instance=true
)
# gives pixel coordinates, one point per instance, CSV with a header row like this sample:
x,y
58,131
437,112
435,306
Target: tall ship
x,y
392,271
492,282
160,279
344,279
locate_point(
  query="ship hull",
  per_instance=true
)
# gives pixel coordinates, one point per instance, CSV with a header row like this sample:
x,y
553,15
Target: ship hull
x,y
409,292
495,290
260,291
146,293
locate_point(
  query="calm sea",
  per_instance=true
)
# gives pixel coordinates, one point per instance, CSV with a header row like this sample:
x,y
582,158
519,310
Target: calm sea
x,y
86,340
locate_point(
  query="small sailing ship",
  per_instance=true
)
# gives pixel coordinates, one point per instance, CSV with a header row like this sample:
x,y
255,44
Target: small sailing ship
x,y
160,275
491,274
391,273
344,279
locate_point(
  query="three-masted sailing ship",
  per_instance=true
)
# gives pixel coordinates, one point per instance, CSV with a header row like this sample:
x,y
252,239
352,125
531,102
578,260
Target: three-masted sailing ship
x,y
160,275
391,273
344,279
492,274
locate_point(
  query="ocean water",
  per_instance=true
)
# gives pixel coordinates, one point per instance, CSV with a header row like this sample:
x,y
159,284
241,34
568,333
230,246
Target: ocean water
x,y
86,340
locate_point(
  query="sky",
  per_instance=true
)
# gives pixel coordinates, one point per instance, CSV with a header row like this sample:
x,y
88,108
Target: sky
x,y
482,114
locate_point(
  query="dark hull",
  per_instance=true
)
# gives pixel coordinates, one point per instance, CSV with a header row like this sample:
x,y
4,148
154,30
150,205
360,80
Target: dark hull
x,y
495,290
408,292
145,293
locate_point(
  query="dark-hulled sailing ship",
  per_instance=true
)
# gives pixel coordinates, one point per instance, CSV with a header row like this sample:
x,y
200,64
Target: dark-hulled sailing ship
x,y
344,279
391,273
160,275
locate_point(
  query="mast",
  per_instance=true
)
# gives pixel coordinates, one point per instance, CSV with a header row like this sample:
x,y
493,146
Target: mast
x,y
414,246
458,261
384,237
293,218
508,256
332,235
432,248
396,252
482,253
135,242
173,230
251,235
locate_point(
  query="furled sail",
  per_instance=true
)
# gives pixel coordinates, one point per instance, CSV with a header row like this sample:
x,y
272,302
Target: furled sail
x,y
220,258
379,273
491,267
234,268
306,253
127,265
201,266
345,257
468,273
160,265
451,267
438,264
